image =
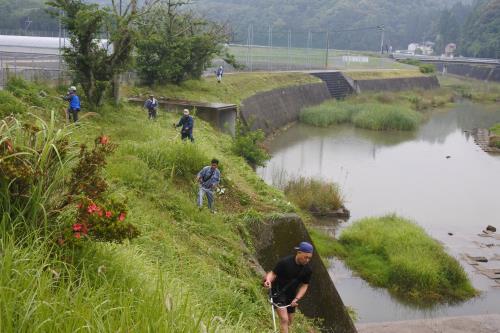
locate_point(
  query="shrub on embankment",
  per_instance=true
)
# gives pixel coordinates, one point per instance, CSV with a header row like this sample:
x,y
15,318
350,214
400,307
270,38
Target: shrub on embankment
x,y
397,254
364,115
495,131
187,270
314,195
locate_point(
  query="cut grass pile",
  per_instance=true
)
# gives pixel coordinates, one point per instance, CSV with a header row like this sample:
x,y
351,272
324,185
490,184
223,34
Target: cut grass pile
x,y
314,195
397,254
495,129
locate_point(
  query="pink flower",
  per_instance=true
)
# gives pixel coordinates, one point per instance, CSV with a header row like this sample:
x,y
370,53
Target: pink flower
x,y
77,227
109,214
103,140
121,217
92,208
78,235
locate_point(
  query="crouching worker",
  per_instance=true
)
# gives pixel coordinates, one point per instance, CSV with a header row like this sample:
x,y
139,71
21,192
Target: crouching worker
x,y
288,282
74,104
208,178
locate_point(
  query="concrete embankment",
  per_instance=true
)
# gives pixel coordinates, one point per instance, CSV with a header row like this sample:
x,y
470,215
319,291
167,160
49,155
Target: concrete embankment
x,y
479,72
466,324
275,238
274,109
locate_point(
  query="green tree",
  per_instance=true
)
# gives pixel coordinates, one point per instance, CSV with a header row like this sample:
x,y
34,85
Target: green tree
x,y
175,45
95,62
481,33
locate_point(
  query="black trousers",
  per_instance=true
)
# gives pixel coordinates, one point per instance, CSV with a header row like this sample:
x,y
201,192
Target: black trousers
x,y
73,113
151,113
187,135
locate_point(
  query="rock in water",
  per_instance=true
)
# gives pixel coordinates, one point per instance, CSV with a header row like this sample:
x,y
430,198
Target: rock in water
x,y
491,228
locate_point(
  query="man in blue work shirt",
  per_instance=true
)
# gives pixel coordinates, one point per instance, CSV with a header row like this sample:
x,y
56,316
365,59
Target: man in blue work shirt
x,y
209,178
74,104
187,123
151,104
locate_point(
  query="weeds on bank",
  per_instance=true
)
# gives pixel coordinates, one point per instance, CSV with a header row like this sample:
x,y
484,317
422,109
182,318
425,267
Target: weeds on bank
x,y
395,253
366,115
475,90
378,111
186,272
314,195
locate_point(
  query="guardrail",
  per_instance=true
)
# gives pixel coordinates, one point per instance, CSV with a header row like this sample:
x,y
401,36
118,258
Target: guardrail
x,y
401,56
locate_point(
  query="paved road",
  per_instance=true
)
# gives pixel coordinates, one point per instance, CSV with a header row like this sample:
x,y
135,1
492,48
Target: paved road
x,y
465,324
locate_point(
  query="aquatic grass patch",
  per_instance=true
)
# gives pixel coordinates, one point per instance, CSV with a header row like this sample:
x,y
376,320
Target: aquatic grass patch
x,y
314,195
370,115
397,254
495,129
386,117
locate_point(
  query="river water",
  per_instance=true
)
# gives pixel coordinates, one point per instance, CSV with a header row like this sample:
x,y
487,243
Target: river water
x,y
435,176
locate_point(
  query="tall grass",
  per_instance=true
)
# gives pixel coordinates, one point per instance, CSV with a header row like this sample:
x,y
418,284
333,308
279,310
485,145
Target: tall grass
x,y
34,162
314,195
374,115
395,253
187,272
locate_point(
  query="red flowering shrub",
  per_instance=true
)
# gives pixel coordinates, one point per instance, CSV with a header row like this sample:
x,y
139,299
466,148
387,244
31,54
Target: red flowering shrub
x,y
100,221
98,218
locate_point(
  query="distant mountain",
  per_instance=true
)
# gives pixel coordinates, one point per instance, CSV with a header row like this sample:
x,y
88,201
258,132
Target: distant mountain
x,y
405,20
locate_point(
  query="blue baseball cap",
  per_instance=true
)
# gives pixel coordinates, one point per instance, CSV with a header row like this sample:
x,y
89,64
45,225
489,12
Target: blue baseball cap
x,y
305,247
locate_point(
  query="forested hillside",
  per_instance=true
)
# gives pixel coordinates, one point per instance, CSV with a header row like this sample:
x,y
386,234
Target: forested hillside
x,y
25,15
481,33
405,20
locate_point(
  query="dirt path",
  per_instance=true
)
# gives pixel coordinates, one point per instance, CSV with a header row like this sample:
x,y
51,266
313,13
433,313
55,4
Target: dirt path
x,y
466,324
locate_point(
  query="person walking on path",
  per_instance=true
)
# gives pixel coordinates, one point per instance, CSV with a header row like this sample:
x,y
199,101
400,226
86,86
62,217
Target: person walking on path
x,y
219,73
288,283
187,123
208,178
151,104
74,104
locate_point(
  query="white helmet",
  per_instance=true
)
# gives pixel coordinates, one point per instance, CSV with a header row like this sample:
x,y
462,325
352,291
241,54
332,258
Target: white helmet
x,y
72,88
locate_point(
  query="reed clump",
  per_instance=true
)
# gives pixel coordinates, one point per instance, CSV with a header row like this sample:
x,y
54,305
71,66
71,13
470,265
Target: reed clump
x,y
314,195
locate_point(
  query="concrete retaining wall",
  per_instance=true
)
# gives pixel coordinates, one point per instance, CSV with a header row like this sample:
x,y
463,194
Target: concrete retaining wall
x,y
276,238
273,109
479,72
396,84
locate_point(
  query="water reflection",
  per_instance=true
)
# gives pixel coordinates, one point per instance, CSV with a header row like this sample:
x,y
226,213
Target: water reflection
x,y
407,173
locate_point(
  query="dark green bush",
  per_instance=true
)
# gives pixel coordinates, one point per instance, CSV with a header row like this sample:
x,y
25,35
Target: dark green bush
x,y
248,144
10,105
427,68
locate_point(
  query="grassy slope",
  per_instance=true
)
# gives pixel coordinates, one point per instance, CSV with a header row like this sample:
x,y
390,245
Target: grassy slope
x,y
495,129
192,259
395,253
233,89
382,74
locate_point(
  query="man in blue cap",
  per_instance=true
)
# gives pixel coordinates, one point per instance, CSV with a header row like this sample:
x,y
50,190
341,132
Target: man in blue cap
x,y
288,282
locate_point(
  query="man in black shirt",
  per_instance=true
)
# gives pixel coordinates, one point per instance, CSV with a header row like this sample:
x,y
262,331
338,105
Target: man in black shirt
x,y
288,282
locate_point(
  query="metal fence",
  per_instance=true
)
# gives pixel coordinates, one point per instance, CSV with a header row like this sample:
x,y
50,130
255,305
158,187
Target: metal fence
x,y
271,49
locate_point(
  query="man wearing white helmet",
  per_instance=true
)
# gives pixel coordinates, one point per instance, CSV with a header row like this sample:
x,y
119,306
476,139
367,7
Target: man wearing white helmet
x,y
187,123
74,104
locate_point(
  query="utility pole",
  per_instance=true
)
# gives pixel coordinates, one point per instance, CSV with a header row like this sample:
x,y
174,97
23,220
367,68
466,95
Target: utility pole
x,y
327,47
120,7
60,45
381,28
